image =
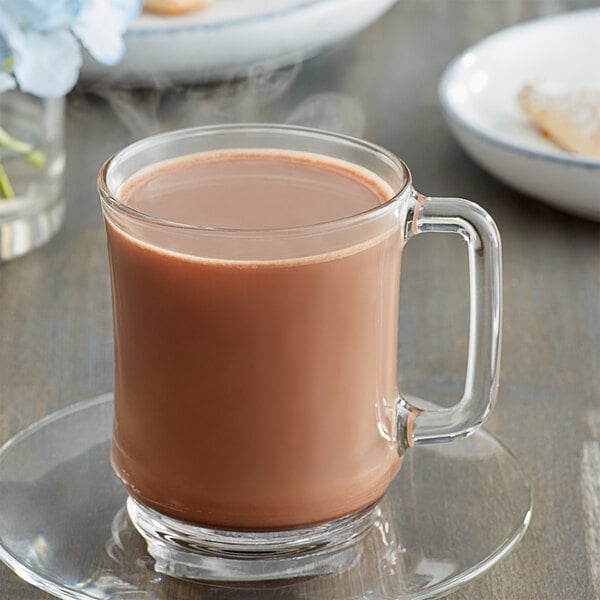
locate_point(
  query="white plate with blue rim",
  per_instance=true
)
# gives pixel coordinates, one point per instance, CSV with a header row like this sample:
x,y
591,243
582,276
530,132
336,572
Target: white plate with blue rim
x,y
478,92
233,38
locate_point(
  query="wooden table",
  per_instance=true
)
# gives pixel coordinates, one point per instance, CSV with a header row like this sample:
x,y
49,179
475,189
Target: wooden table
x,y
55,315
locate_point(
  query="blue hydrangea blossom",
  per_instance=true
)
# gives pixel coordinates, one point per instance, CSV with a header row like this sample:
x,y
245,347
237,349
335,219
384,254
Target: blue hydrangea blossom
x,y
40,40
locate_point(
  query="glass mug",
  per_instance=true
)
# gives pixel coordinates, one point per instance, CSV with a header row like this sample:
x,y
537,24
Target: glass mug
x,y
257,416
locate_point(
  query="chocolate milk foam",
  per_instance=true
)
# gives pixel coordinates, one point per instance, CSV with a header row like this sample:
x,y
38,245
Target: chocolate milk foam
x,y
249,393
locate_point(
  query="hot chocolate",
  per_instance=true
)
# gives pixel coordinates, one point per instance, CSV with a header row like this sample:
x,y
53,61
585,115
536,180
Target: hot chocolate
x,y
249,392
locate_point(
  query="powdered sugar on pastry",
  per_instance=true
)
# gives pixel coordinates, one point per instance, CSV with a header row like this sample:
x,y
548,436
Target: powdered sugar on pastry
x,y
569,116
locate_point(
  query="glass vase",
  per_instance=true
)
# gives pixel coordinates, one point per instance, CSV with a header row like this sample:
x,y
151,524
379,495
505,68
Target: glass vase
x,y
32,161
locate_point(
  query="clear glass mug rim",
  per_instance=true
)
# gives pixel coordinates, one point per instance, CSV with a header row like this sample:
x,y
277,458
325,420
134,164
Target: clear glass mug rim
x,y
109,197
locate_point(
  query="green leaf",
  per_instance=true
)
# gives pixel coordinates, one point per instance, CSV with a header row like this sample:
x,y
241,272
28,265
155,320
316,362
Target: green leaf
x,y
6,189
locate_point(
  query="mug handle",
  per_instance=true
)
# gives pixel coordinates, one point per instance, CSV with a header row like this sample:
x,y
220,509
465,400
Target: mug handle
x,y
416,426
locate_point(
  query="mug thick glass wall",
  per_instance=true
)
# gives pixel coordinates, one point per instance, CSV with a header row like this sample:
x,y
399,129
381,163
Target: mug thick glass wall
x,y
244,432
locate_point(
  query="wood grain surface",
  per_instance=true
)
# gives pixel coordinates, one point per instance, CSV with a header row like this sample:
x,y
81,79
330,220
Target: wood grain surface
x,y
55,315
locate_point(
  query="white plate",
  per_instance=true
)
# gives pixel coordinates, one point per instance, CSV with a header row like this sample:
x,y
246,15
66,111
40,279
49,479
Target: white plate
x,y
478,93
232,38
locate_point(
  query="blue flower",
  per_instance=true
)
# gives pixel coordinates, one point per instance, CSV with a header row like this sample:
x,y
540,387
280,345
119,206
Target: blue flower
x,y
39,40
100,26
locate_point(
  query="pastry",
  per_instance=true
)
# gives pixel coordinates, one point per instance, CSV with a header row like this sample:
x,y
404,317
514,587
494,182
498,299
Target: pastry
x,y
174,7
569,116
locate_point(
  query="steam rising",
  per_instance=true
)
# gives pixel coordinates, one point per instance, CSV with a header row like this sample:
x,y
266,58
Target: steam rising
x,y
262,96
333,111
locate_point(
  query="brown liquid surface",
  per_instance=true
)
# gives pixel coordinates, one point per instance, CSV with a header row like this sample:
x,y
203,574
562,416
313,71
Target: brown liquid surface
x,y
249,395
254,190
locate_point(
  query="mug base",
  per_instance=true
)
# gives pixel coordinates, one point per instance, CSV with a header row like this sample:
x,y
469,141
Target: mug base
x,y
188,551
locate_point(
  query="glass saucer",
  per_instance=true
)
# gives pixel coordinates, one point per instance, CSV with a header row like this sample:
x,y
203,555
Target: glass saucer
x,y
453,511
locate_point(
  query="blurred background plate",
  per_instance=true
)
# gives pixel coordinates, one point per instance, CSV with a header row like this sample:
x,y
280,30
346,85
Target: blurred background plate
x,y
478,92
231,38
